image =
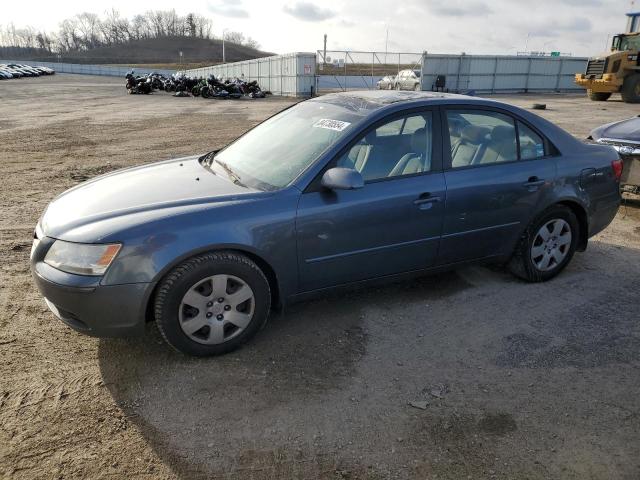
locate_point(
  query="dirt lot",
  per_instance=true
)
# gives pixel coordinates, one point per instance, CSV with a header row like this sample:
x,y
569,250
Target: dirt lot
x,y
522,381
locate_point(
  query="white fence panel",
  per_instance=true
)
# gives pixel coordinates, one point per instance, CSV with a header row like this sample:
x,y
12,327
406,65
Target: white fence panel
x,y
292,74
501,73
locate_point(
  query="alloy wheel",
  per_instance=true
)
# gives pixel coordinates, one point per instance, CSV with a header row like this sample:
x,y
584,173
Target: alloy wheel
x,y
551,244
216,309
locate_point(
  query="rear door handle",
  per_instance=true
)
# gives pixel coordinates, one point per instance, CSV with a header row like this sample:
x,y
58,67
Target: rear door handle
x,y
533,182
426,199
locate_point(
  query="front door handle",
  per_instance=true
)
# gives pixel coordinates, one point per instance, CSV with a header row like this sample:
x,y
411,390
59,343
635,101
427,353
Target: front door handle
x,y
425,200
533,182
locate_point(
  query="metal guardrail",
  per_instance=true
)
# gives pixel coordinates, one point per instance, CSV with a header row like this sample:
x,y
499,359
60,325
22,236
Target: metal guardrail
x,y
83,69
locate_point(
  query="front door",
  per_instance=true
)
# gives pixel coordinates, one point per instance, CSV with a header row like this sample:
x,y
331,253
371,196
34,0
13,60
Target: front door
x,y
392,224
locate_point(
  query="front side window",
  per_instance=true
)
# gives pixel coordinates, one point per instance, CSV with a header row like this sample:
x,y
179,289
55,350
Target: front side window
x,y
480,137
630,43
399,147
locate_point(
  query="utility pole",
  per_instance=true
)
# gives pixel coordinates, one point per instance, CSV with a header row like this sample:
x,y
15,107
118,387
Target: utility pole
x,y
324,52
386,46
223,55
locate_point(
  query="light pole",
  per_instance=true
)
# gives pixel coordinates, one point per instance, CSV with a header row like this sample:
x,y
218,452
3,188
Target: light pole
x,y
223,56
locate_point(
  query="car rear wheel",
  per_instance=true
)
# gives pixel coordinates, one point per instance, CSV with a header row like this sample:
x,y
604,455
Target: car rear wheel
x,y
547,246
599,96
416,87
212,303
630,91
397,86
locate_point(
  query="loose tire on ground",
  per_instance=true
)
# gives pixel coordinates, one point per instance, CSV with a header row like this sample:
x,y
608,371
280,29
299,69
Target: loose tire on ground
x,y
630,91
598,96
522,265
169,306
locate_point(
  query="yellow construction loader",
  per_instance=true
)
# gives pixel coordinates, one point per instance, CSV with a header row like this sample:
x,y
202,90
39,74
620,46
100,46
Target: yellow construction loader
x,y
617,71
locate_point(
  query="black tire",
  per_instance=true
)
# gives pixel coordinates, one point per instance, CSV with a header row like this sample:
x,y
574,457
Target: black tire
x,y
179,280
630,91
416,87
521,264
398,86
598,96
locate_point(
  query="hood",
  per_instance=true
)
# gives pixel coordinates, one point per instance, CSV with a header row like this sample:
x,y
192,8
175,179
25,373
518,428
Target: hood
x,y
148,190
628,130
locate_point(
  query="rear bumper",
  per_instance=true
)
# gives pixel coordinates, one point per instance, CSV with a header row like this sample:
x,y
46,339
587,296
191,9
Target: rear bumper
x,y
98,310
603,215
598,85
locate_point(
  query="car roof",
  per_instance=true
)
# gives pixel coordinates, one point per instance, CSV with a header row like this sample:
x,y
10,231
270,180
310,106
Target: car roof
x,y
368,101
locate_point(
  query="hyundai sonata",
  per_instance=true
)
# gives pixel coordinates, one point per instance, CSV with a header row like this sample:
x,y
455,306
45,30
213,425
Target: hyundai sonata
x,y
337,190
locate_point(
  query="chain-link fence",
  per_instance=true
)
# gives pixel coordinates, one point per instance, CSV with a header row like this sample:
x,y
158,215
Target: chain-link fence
x,y
340,70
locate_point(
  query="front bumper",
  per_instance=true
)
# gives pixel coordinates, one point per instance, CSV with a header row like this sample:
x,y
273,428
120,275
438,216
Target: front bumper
x,y
85,305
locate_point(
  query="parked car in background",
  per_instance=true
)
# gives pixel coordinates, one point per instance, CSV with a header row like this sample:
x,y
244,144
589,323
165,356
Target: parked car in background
x,y
16,70
337,190
408,80
386,83
15,73
23,71
624,136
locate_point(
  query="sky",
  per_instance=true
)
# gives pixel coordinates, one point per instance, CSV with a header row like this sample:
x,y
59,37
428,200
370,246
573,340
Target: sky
x,y
580,27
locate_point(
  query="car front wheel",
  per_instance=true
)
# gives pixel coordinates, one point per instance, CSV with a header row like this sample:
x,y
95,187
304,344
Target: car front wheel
x,y
212,303
547,246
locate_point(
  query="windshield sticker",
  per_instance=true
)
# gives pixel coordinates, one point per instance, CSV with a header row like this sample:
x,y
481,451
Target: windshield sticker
x,y
336,125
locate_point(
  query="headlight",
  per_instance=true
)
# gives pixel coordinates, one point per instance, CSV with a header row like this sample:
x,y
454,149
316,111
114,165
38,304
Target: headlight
x,y
81,258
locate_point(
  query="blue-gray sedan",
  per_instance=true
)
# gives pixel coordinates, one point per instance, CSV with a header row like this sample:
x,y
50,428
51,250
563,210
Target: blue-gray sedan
x,y
338,190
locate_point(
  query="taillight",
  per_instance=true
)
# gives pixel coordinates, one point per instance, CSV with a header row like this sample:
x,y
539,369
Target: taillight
x,y
617,169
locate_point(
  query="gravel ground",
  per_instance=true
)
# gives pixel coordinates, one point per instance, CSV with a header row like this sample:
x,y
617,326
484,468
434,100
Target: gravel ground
x,y
468,374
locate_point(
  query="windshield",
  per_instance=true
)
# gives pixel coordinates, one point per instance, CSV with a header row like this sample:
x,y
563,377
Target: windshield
x,y
274,153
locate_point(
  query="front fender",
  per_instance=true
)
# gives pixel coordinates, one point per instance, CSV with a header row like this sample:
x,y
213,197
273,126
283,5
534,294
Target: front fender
x,y
264,229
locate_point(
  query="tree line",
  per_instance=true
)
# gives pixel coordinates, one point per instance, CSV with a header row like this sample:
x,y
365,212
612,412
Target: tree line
x,y
86,31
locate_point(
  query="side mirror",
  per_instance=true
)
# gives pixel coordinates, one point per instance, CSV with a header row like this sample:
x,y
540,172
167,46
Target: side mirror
x,y
339,178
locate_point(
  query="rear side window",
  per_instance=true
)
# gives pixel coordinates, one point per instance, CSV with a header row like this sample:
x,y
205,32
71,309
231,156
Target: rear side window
x,y
480,137
531,144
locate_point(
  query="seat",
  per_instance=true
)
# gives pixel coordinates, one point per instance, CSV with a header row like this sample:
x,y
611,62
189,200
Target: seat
x,y
417,160
466,147
360,153
501,147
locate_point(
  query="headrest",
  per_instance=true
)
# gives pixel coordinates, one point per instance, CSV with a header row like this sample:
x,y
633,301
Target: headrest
x,y
502,133
419,141
474,133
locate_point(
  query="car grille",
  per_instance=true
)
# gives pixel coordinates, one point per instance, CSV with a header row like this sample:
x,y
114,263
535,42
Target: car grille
x,y
596,67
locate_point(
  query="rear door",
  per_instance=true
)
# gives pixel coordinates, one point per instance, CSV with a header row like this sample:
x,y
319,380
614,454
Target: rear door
x,y
498,172
393,223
